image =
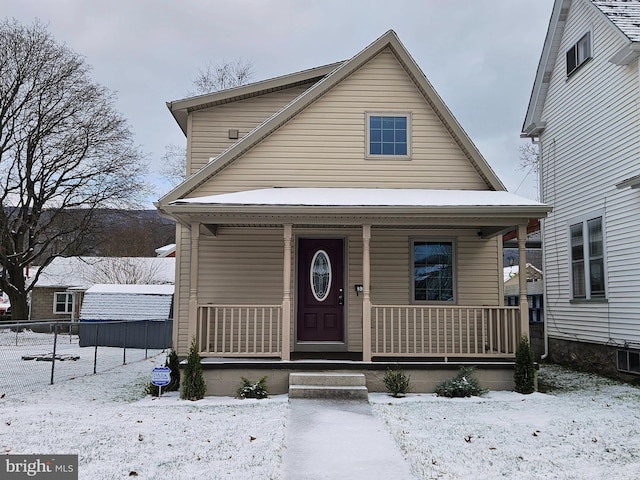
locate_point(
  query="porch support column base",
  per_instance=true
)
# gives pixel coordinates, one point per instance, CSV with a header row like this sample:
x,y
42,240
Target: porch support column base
x,y
286,296
522,280
366,300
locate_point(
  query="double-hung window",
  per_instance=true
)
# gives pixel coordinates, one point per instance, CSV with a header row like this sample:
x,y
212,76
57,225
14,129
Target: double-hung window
x,y
433,271
62,302
388,135
579,53
587,259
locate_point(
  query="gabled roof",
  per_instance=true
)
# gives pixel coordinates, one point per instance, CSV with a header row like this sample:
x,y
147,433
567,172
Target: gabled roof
x,y
180,109
624,17
625,14
127,302
342,71
83,272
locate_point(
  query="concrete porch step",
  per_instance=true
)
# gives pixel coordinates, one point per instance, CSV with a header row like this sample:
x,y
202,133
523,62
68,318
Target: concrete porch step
x,y
328,385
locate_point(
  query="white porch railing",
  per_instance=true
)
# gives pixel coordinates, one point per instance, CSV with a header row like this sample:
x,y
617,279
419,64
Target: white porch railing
x,y
444,331
240,330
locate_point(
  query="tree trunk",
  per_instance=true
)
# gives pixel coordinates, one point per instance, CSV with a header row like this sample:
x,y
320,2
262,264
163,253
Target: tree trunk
x,y
17,295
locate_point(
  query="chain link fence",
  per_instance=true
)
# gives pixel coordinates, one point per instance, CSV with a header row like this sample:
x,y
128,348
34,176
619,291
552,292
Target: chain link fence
x,y
36,354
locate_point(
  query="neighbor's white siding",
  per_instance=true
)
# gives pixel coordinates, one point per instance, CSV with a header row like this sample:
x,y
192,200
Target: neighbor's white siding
x,y
591,143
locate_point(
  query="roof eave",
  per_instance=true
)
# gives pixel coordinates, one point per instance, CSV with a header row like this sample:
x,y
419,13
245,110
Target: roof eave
x,y
181,108
546,63
520,211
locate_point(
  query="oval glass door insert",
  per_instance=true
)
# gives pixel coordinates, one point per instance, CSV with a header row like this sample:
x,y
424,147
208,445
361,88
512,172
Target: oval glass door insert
x,y
320,275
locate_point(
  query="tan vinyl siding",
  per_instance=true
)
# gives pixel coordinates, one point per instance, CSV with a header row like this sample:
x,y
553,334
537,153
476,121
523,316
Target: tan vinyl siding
x,y
241,266
475,259
244,266
210,127
589,145
324,145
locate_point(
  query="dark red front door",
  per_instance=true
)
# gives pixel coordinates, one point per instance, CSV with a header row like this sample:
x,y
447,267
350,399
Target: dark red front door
x,y
320,290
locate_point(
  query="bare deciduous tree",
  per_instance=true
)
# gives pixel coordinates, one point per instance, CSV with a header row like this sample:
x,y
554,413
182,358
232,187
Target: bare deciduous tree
x,y
174,164
220,76
65,152
529,158
214,77
127,270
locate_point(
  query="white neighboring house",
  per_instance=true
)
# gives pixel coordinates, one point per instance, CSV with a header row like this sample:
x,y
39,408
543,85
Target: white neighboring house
x,y
59,290
585,113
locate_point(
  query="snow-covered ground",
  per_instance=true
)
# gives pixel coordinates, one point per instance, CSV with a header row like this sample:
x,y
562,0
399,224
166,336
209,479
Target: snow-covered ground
x,y
588,428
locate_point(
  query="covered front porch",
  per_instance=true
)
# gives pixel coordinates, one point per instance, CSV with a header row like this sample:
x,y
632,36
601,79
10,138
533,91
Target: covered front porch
x,y
372,239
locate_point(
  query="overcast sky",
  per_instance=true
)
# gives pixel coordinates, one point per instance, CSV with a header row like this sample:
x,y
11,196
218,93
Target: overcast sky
x,y
480,55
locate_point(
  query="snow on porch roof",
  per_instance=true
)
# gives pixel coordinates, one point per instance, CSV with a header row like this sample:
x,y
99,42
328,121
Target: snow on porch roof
x,y
364,197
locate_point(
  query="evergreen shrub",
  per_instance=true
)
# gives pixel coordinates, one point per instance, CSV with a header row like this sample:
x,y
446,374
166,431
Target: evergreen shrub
x,y
397,382
524,373
462,385
193,384
250,389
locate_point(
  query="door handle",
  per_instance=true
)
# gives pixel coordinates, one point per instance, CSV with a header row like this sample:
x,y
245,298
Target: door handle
x,y
340,297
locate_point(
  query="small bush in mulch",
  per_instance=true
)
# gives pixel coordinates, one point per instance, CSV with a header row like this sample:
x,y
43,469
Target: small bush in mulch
x,y
250,389
397,382
462,385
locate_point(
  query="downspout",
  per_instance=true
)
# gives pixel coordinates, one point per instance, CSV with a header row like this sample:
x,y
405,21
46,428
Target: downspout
x,y
545,333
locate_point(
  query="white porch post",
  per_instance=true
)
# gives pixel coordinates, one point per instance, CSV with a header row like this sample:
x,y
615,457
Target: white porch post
x,y
286,297
522,279
193,284
366,298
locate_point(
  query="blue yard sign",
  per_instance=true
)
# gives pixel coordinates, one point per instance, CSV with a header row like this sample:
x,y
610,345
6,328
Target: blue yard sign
x,y
160,377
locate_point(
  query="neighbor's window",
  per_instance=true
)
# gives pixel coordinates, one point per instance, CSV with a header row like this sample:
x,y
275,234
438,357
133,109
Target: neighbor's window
x,y
62,302
388,135
579,53
587,259
432,271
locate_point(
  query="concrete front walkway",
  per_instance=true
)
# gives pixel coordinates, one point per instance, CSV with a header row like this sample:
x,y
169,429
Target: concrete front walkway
x,y
334,439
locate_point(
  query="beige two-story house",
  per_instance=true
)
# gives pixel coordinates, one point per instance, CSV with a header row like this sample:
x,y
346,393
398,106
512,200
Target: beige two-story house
x,y
340,214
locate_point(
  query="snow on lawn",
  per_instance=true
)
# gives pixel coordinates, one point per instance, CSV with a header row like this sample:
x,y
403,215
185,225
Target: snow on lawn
x,y
587,427
115,431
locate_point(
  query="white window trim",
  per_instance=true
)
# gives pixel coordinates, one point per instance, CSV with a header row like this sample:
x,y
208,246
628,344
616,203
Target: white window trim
x,y
575,45
68,303
583,219
375,113
412,281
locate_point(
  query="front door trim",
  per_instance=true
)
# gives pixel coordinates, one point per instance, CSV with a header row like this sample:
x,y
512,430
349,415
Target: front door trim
x,y
316,346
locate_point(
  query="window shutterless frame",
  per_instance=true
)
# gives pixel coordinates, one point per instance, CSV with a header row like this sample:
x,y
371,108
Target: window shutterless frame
x,y
587,273
433,271
579,53
388,135
62,302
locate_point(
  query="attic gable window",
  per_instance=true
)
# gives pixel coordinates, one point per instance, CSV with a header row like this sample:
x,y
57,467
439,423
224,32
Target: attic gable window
x,y
388,135
578,54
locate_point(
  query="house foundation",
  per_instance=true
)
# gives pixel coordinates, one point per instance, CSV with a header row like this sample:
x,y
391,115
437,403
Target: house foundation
x,y
223,376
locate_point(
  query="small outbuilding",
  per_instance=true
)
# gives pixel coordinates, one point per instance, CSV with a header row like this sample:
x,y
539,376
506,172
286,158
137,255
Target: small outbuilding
x,y
135,316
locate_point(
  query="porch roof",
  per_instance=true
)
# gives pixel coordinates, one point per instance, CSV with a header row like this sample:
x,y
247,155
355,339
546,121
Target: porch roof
x,y
365,197
490,211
